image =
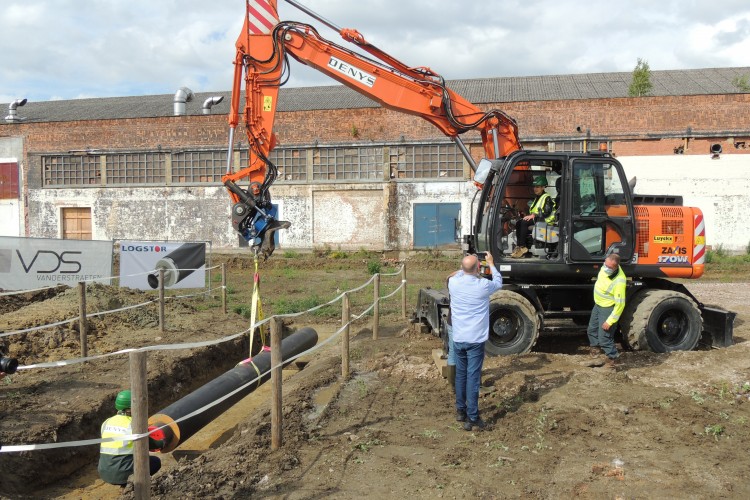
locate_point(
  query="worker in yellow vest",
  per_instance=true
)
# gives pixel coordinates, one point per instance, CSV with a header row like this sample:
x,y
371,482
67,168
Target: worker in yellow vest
x,y
542,209
609,302
116,457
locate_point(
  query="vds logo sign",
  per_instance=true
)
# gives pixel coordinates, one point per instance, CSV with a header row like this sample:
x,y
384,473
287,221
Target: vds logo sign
x,y
48,261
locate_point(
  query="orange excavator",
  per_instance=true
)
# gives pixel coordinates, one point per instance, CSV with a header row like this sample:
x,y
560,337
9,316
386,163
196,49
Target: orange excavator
x,y
548,276
263,48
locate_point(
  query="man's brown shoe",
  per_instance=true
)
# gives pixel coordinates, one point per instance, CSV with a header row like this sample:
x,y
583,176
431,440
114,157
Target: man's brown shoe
x,y
519,252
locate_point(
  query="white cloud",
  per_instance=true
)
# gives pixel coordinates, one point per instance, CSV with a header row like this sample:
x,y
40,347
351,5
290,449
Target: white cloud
x,y
70,48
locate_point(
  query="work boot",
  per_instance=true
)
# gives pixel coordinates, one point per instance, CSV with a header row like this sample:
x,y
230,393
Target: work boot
x,y
460,416
611,363
519,252
594,351
475,424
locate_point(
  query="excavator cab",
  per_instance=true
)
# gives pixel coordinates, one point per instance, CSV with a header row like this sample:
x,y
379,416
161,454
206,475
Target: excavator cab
x,y
593,212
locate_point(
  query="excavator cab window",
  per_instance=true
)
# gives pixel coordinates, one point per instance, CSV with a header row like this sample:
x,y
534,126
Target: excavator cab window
x,y
601,217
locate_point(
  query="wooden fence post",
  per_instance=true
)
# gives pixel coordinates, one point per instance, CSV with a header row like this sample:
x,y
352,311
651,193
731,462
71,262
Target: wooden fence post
x,y
161,300
139,411
345,315
224,288
376,308
82,325
403,291
276,361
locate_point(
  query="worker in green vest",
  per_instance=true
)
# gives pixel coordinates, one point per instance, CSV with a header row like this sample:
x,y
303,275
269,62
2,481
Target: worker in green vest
x,y
609,302
542,209
116,457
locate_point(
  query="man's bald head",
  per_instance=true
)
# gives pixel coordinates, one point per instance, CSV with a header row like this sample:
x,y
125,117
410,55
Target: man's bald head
x,y
470,264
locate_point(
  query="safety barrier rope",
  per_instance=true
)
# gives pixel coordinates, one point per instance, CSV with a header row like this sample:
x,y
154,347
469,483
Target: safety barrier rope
x,y
134,437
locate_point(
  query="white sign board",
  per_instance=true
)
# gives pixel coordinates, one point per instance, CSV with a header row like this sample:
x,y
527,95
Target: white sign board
x,y
29,263
184,264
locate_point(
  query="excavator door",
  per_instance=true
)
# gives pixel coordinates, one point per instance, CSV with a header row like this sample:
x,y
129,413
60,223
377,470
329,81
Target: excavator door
x,y
601,217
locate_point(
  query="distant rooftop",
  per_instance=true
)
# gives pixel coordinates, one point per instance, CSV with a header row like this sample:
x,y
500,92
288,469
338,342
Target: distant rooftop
x,y
479,91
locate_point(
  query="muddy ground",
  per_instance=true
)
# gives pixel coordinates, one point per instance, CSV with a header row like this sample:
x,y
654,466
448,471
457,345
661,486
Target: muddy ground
x,y
660,425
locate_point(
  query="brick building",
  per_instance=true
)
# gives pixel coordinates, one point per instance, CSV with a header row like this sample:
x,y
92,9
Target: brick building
x,y
352,174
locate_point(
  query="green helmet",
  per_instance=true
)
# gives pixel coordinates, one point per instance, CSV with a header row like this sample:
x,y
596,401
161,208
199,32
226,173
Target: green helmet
x,y
540,181
122,401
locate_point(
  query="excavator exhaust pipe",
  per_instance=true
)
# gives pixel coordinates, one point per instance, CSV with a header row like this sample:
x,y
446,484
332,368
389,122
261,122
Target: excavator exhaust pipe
x,y
174,432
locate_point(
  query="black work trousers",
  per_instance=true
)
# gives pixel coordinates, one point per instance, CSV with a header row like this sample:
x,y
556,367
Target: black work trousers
x,y
522,232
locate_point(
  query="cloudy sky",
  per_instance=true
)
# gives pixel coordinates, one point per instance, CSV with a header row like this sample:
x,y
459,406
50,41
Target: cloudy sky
x,y
68,49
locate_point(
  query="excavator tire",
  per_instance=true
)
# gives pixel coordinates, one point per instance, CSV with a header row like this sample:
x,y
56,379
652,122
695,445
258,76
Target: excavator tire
x,y
630,338
662,321
514,324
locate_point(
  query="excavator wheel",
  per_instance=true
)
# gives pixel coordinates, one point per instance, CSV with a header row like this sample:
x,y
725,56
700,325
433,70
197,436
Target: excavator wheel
x,y
662,321
514,324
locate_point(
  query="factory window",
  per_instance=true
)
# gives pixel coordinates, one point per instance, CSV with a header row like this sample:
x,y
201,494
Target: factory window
x,y
71,170
198,166
426,161
347,163
580,146
136,168
292,164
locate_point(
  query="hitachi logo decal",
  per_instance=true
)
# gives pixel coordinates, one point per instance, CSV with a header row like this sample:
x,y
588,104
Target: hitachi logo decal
x,y
355,74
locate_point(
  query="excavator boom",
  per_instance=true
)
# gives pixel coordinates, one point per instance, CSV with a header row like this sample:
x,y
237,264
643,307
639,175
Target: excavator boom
x,y
263,49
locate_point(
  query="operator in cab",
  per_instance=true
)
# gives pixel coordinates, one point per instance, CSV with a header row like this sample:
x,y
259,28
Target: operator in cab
x,y
542,209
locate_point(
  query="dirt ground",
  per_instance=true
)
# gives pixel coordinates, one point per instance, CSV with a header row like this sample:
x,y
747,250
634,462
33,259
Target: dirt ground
x,y
659,426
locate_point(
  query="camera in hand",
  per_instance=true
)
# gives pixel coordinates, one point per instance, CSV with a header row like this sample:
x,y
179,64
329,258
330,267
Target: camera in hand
x,y
8,365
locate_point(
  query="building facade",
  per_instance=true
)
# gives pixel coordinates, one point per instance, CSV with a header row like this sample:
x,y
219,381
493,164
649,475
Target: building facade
x,y
354,175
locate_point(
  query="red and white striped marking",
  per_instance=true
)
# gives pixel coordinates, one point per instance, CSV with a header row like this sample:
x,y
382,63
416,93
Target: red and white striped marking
x,y
699,244
262,16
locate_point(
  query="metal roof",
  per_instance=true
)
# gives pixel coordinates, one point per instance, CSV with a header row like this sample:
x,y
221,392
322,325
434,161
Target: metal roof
x,y
479,91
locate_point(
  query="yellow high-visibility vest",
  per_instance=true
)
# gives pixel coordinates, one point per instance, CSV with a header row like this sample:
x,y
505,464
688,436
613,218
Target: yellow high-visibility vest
x,y
610,291
119,425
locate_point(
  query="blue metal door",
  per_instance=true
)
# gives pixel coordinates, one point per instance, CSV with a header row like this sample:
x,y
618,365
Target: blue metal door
x,y
436,224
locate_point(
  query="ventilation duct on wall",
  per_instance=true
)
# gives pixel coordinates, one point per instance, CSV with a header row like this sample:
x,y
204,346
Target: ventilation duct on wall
x,y
210,102
12,113
182,96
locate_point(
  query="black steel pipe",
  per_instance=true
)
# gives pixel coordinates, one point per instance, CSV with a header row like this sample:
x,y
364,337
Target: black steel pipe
x,y
175,433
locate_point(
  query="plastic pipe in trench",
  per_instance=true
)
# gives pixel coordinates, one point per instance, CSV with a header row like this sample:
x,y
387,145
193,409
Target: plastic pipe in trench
x,y
176,432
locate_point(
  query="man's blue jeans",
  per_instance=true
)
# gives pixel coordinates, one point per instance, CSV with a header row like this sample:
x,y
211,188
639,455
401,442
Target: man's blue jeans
x,y
469,360
598,336
451,347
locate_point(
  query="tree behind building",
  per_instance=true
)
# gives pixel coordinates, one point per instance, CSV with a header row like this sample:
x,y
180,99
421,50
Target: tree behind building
x,y
641,84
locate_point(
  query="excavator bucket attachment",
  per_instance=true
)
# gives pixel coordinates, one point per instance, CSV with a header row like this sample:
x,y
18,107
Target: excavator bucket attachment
x,y
267,245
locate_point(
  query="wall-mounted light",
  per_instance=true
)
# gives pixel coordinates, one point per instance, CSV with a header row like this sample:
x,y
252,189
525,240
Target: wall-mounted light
x,y
739,145
715,151
679,150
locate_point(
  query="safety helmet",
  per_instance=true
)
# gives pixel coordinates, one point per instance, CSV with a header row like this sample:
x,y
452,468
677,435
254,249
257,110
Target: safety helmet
x,y
122,401
540,181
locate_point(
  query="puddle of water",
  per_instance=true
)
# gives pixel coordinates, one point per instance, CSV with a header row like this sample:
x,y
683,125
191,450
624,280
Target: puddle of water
x,y
321,398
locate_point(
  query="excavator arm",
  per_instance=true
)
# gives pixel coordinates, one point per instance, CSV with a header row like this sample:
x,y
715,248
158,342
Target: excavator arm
x,y
263,48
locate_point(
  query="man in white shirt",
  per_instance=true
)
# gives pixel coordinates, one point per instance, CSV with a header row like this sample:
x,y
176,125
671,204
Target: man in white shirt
x,y
470,315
